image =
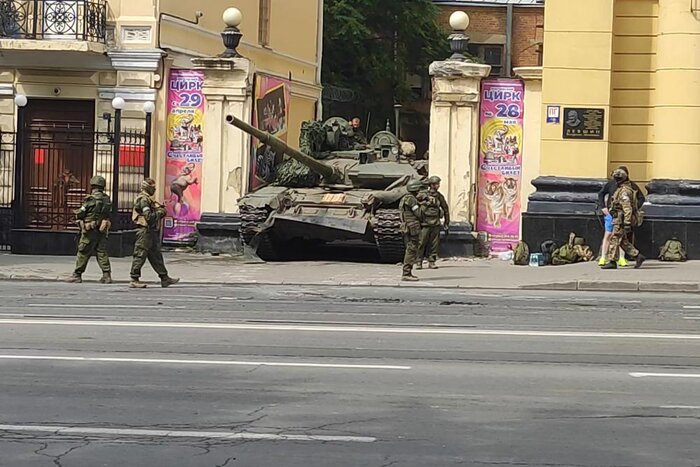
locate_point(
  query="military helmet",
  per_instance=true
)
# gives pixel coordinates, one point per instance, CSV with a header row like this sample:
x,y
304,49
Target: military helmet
x,y
434,179
148,183
98,181
414,186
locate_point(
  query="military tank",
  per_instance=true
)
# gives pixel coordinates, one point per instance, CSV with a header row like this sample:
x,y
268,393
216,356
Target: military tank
x,y
346,191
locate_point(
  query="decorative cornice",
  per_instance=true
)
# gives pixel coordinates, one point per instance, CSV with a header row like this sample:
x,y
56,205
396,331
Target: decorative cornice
x,y
459,69
529,72
7,89
128,94
136,59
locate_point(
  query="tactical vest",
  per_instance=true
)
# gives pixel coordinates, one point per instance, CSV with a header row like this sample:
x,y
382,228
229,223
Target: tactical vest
x,y
408,216
431,210
102,207
138,218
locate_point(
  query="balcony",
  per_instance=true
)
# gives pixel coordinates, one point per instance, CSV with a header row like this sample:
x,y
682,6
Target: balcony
x,y
54,20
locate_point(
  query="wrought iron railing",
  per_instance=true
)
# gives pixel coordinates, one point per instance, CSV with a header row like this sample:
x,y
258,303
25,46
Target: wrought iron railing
x,y
83,20
57,164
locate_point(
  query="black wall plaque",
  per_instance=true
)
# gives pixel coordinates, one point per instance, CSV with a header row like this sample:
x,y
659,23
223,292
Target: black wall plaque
x,y
583,123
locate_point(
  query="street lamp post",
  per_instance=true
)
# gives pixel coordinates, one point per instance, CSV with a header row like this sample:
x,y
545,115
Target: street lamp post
x,y
149,107
232,35
459,41
21,102
118,105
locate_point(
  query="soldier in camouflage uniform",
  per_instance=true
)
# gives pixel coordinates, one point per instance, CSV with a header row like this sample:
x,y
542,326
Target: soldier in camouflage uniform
x,y
147,215
410,212
625,213
434,208
93,220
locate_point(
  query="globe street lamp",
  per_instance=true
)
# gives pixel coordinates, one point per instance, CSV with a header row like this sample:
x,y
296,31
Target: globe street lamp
x,y
232,35
459,41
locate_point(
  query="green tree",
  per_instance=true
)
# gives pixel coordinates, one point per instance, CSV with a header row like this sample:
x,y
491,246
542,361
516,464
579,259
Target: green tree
x,y
371,46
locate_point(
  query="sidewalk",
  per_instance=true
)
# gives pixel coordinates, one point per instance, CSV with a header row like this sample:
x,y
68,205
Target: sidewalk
x,y
458,273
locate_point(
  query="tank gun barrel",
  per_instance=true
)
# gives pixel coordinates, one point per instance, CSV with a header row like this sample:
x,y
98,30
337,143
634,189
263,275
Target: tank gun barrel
x,y
327,172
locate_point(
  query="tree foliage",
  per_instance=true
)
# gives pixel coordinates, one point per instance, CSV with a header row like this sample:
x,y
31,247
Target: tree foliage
x,y
371,46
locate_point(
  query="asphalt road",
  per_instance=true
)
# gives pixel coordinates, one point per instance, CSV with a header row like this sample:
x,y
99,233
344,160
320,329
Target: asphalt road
x,y
280,376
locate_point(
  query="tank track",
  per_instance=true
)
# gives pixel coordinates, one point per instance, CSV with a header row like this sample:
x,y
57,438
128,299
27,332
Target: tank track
x,y
251,219
388,236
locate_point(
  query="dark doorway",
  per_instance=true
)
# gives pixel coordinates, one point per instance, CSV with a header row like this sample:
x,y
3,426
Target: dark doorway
x,y
57,161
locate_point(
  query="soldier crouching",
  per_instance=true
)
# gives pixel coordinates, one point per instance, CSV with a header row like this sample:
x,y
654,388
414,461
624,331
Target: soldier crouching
x,y
94,223
147,215
626,215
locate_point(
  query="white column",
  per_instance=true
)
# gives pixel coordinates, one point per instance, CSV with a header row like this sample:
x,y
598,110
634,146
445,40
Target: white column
x,y
532,129
228,91
454,133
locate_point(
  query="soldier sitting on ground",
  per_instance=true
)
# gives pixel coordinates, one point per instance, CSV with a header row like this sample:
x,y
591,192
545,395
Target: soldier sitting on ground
x,y
94,223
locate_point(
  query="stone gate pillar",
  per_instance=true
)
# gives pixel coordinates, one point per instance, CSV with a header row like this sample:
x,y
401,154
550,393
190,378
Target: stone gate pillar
x,y
228,91
454,132
228,80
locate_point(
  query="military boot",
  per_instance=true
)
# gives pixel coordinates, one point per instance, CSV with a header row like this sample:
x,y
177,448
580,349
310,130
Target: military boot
x,y
409,278
609,265
419,264
75,278
106,278
168,281
639,261
137,284
432,265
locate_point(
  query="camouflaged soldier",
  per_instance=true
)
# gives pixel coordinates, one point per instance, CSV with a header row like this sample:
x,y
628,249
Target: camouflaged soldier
x,y
434,208
410,212
94,223
625,213
147,215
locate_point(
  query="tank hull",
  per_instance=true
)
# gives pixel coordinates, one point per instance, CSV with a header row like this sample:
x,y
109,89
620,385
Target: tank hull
x,y
275,219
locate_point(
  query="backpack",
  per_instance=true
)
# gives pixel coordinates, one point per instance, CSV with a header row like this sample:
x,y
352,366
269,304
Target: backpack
x,y
521,256
547,248
573,252
673,251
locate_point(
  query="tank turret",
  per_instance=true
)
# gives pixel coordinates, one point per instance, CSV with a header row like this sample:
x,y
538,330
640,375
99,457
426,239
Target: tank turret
x,y
329,173
374,166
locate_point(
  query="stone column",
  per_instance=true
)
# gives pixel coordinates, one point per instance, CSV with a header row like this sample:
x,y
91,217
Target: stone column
x,y
228,91
532,129
454,133
675,153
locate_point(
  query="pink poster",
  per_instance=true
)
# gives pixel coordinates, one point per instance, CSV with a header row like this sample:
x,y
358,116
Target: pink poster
x,y
500,162
184,155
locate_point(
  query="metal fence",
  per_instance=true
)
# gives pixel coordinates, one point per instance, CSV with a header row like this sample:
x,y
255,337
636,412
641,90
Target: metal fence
x,y
42,189
84,20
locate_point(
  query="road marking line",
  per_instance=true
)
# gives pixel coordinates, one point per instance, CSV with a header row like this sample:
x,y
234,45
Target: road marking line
x,y
691,317
88,431
204,362
689,407
664,375
355,329
136,307
691,307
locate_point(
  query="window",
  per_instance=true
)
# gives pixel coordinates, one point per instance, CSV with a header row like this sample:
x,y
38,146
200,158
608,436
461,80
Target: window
x,y
264,26
490,54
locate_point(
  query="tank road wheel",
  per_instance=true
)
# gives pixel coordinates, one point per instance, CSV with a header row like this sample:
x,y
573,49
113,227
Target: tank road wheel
x,y
251,220
387,235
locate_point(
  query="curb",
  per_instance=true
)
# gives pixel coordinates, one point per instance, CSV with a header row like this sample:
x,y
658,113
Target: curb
x,y
573,286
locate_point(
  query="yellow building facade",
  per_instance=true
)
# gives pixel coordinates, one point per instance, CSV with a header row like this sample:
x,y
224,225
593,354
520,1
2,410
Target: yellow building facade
x,y
72,58
638,61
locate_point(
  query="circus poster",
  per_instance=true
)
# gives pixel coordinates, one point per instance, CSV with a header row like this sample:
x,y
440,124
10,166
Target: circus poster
x,y
500,162
184,156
